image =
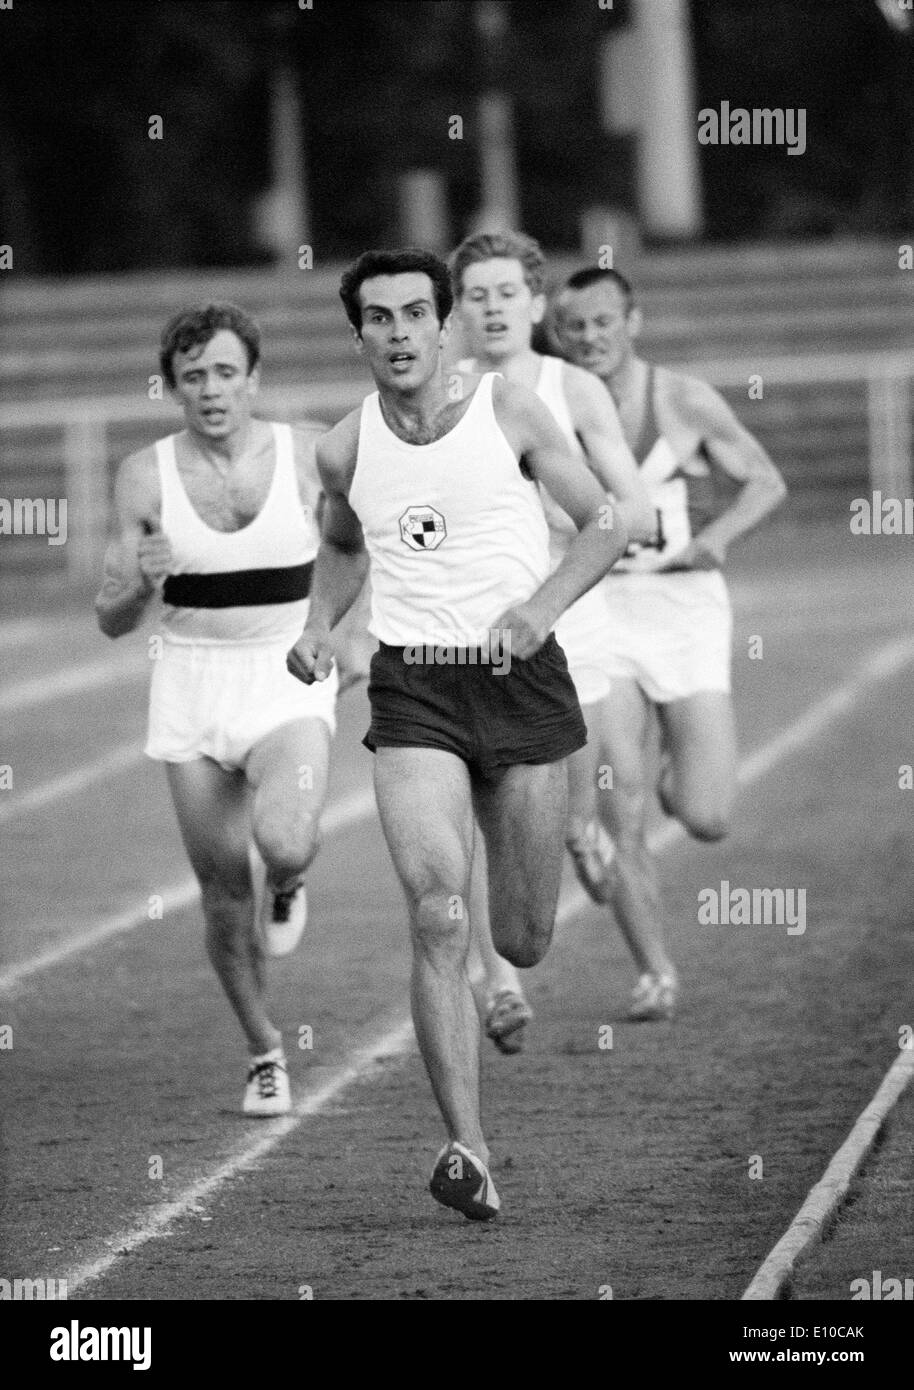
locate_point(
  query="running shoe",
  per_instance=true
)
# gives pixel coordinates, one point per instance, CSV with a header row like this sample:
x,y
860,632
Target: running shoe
x,y
653,997
283,917
267,1089
461,1180
507,1016
592,853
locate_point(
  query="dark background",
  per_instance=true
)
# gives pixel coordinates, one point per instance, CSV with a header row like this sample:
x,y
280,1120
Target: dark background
x,y
83,189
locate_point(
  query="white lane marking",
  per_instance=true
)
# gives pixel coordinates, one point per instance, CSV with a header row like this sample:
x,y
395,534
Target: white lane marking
x,y
829,1191
356,806
123,756
91,675
23,632
394,1043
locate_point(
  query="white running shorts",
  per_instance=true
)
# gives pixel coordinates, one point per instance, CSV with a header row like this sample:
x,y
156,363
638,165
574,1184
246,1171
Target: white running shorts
x,y
671,633
583,635
219,699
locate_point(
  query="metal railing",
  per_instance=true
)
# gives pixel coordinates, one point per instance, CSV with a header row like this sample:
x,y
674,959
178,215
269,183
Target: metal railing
x,y
85,423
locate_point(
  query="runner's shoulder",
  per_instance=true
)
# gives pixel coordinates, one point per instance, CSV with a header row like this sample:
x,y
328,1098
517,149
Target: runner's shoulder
x,y
685,394
337,450
583,390
137,476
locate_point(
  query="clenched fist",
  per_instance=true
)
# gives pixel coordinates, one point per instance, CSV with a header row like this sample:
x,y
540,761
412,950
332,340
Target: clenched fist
x,y
155,556
522,631
311,659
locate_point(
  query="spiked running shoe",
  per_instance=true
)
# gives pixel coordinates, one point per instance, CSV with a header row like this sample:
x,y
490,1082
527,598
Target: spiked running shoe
x,y
654,997
283,918
267,1089
507,1016
592,853
461,1180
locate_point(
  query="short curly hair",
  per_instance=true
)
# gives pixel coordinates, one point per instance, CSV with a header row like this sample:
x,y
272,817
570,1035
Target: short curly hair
x,y
512,246
196,326
411,259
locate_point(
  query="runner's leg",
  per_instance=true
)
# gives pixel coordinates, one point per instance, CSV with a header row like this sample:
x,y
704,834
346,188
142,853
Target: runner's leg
x,y
698,784
426,811
288,770
624,727
212,806
521,812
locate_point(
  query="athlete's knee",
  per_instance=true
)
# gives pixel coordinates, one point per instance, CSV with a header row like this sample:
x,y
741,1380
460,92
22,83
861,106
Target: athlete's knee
x,y
287,847
705,822
440,923
523,941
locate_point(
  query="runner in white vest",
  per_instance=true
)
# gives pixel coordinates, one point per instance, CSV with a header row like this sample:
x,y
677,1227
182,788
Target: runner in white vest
x,y
499,282
221,519
668,608
473,712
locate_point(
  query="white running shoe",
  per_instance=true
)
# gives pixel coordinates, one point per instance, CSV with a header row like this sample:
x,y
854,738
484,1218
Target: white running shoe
x,y
461,1180
267,1090
283,917
654,997
507,1016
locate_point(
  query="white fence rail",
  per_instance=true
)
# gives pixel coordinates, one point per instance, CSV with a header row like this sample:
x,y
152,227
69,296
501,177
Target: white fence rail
x,y
85,424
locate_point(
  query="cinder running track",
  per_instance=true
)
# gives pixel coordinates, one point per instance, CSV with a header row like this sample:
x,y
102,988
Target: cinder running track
x,y
625,1167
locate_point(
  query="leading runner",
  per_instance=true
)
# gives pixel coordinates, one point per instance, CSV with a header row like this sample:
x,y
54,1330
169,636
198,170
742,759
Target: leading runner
x,y
473,711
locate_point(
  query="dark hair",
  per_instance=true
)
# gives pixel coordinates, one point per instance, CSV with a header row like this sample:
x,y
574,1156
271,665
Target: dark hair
x,y
593,275
196,326
404,262
512,246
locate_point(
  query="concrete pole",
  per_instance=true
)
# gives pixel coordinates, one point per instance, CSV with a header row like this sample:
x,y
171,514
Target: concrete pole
x,y
669,189
497,152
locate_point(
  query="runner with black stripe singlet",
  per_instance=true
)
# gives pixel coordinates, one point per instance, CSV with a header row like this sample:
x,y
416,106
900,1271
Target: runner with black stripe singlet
x,y
473,712
221,520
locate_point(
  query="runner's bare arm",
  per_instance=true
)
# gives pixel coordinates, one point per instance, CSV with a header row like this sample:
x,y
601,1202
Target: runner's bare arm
x,y
597,425
140,556
352,642
529,427
305,434
342,561
732,449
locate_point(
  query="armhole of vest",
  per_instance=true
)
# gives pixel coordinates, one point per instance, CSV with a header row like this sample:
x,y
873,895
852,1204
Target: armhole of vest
x,y
371,409
167,466
287,481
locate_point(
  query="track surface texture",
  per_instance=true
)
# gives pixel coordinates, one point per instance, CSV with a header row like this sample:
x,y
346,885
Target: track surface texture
x,y
626,1167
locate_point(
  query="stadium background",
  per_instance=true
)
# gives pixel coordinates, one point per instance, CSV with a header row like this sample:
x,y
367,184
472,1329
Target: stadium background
x,y
328,128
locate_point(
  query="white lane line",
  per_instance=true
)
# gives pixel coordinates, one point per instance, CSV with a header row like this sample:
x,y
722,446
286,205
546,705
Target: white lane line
x,y
91,675
354,807
123,756
393,1043
398,1040
829,1191
23,632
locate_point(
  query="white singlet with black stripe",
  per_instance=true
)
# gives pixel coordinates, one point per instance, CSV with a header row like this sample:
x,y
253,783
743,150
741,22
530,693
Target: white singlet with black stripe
x,y
283,534
454,531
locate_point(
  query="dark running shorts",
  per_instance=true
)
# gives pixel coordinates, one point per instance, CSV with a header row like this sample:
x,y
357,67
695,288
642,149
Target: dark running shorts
x,y
528,715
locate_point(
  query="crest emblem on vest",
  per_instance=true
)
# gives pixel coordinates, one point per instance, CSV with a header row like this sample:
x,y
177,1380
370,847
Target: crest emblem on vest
x,y
422,528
